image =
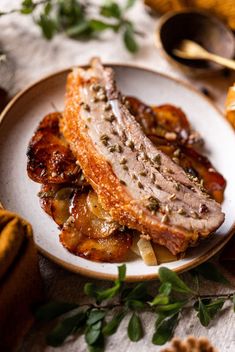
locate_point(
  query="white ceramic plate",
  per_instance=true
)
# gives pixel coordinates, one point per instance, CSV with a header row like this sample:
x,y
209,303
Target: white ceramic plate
x,y
18,193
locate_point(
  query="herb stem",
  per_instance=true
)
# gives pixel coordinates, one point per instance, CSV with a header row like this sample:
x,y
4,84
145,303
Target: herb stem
x,y
40,2
224,295
94,318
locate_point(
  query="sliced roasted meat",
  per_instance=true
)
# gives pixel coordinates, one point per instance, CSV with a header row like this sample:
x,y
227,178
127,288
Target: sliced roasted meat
x,y
136,183
50,159
197,166
170,131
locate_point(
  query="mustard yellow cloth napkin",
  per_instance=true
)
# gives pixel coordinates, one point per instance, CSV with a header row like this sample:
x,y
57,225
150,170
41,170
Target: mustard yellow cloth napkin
x,y
20,281
224,9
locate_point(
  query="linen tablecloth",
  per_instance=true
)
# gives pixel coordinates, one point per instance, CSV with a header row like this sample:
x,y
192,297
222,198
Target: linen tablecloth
x,y
32,58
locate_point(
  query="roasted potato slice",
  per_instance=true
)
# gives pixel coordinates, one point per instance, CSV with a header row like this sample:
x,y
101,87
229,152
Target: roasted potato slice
x,y
111,249
50,159
90,237
96,208
173,122
87,222
55,201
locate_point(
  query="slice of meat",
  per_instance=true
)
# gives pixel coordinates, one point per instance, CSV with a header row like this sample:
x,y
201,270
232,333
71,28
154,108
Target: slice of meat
x,y
140,187
50,159
170,131
199,166
195,165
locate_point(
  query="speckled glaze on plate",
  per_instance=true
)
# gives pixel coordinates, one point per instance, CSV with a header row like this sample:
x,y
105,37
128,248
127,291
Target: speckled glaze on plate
x,y
18,193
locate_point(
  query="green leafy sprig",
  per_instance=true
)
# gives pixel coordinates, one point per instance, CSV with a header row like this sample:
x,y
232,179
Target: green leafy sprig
x,y
122,300
74,19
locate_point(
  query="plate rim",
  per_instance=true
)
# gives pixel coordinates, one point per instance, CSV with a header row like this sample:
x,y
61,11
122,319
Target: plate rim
x,y
105,276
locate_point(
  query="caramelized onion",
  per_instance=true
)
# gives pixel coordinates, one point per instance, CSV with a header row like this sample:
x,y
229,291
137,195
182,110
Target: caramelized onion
x,y
147,252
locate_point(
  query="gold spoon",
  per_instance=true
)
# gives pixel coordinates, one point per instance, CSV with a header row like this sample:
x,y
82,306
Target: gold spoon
x,y
187,49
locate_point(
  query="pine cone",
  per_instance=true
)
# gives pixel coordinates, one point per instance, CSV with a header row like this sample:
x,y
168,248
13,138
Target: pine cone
x,y
191,344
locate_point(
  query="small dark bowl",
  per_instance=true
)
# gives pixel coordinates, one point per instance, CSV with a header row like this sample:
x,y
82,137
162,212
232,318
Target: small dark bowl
x,y
201,27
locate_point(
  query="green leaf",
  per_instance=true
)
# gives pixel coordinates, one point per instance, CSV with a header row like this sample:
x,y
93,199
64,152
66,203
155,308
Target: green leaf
x,y
163,296
171,308
48,26
125,292
111,327
100,26
111,10
52,310
65,328
135,330
122,272
166,275
139,292
26,10
47,8
90,290
93,332
92,348
211,308
233,299
27,7
160,299
215,306
98,346
129,4
101,295
129,39
27,3
205,301
109,293
94,316
135,304
164,329
165,288
210,272
70,13
203,314
82,28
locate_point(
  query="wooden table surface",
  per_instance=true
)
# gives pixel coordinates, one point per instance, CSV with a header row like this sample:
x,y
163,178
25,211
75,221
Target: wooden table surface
x,y
32,58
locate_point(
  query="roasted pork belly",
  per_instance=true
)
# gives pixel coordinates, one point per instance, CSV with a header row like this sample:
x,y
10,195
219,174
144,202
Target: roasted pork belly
x,y
136,183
